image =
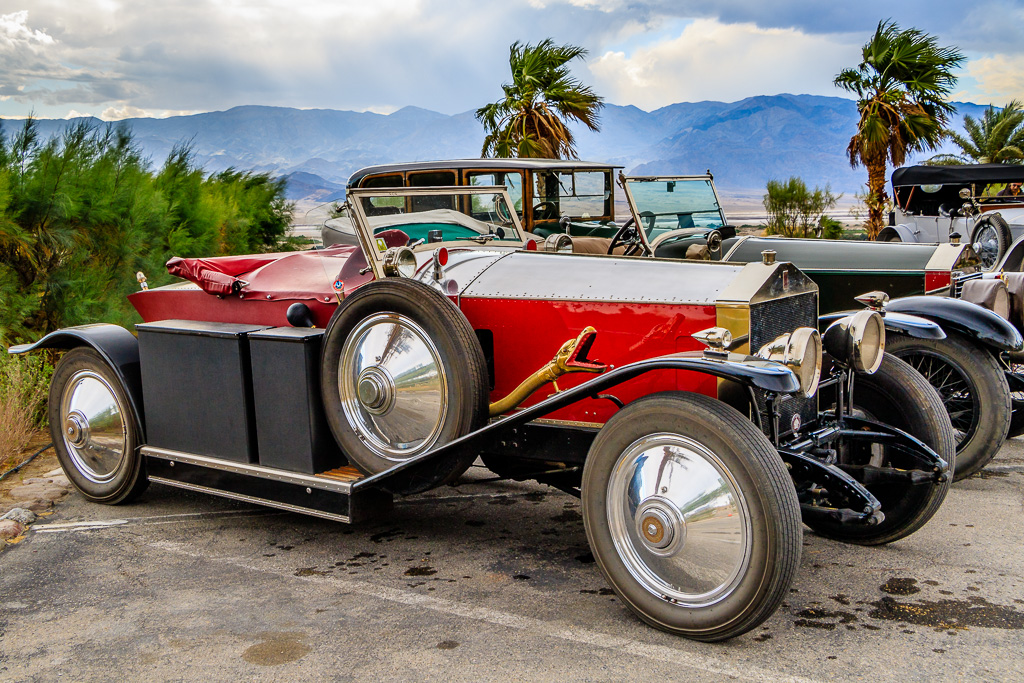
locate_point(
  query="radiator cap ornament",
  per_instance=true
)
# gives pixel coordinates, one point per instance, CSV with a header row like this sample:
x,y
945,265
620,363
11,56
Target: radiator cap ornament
x,y
768,257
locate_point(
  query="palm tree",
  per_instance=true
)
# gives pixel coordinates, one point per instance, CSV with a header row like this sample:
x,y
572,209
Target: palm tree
x,y
531,120
901,86
997,138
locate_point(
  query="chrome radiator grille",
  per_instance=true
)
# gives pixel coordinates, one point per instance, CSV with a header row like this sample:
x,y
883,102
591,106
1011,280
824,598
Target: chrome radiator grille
x,y
958,282
770,319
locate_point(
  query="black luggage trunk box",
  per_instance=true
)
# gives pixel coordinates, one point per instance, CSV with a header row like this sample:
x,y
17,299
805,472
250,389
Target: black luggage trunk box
x,y
292,432
197,388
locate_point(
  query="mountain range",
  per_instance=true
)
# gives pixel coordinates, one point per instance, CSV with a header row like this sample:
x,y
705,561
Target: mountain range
x,y
744,143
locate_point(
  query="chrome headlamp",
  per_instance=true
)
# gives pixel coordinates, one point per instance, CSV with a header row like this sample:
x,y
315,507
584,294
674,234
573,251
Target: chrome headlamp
x,y
857,341
399,262
800,351
558,241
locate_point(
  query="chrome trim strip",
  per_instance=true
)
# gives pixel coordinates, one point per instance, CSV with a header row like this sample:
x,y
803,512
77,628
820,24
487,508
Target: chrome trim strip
x,y
736,245
567,423
252,499
250,470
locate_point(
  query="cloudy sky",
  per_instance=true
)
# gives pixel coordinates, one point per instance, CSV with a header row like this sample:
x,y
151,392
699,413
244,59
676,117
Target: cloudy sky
x,y
121,58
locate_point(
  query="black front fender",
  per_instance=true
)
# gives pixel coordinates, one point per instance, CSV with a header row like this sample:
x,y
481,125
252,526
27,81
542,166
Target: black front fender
x,y
970,320
910,325
768,376
118,347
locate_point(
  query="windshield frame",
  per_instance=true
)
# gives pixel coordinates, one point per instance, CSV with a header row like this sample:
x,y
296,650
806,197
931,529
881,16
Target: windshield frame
x,y
635,212
364,231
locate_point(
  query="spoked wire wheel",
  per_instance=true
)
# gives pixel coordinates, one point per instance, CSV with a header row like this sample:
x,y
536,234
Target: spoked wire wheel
x,y
1017,398
955,390
973,388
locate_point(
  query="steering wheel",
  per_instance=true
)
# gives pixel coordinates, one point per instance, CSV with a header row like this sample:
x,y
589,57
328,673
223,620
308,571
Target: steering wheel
x,y
629,236
545,211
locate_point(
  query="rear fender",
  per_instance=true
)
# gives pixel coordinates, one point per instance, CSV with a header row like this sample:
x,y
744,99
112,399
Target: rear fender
x,y
971,320
906,233
117,346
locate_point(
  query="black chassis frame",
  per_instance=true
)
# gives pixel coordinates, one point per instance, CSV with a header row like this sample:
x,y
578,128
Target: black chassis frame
x,y
810,454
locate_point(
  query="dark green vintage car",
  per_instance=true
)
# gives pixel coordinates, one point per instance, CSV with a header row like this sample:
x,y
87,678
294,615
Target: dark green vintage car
x,y
681,217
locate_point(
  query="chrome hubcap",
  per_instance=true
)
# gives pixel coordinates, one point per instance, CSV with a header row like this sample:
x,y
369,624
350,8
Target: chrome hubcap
x,y
678,520
94,429
376,390
392,386
660,526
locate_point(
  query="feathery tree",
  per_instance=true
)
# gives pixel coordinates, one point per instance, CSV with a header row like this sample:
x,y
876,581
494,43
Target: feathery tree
x,y
997,138
543,97
81,212
901,84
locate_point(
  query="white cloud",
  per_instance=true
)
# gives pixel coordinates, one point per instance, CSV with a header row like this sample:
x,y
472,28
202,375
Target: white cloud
x,y
714,61
15,33
130,112
1000,78
120,57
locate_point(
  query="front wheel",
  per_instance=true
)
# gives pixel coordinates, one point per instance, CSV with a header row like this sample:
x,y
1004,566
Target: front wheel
x,y
973,389
94,429
691,516
898,396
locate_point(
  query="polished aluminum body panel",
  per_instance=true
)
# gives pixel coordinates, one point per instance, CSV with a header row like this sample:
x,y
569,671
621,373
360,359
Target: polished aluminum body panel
x,y
584,277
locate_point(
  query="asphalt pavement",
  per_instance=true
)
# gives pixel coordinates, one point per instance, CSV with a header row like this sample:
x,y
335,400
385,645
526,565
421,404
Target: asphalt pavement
x,y
486,581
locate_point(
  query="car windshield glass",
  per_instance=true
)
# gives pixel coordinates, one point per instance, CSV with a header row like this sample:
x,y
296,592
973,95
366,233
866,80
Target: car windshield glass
x,y
677,204
577,194
412,217
512,181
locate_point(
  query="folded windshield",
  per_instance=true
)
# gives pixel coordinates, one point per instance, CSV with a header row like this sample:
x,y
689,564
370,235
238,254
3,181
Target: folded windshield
x,y
666,204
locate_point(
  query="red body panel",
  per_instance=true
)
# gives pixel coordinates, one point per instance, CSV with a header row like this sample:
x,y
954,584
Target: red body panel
x,y
936,279
528,333
194,304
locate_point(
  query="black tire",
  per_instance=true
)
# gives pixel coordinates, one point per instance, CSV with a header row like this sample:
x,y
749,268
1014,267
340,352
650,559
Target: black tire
x,y
1016,399
447,393
743,582
992,233
973,387
899,396
95,429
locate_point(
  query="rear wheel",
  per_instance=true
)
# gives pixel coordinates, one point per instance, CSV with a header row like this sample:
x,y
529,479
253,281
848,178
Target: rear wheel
x,y
973,388
94,429
402,373
898,396
691,516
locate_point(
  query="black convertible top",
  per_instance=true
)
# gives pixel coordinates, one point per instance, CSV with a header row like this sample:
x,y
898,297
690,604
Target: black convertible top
x,y
959,175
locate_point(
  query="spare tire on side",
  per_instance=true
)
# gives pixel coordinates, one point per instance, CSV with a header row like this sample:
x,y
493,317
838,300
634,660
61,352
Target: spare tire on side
x,y
402,373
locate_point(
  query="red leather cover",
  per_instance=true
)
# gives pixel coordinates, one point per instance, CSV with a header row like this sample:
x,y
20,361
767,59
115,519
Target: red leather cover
x,y
288,275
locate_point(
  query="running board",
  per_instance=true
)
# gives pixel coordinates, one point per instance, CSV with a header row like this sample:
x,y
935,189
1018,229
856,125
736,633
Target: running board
x,y
329,497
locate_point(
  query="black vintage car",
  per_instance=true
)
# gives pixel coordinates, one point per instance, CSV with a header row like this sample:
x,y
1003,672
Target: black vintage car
x,y
983,203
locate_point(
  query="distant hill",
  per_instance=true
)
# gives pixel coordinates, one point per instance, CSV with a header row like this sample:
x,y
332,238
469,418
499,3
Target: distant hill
x,y
743,143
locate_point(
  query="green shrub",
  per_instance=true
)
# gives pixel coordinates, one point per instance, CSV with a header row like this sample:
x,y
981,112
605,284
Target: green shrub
x,y
24,382
82,212
829,228
795,211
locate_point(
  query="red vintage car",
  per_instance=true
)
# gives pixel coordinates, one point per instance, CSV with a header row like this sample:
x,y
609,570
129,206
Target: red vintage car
x,y
679,400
